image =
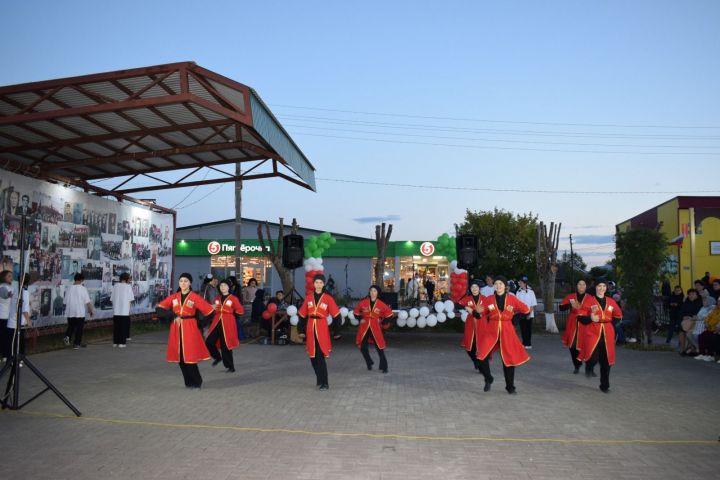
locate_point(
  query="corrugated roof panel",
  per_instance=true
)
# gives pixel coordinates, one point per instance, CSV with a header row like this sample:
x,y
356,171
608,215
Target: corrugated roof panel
x,y
173,82
154,143
34,153
47,106
113,168
236,97
232,153
97,149
106,89
73,98
147,118
208,114
158,162
135,148
133,165
183,159
23,98
72,153
23,134
251,139
7,109
178,138
270,129
6,142
52,129
17,157
197,89
204,132
135,84
90,171
114,121
207,156
154,91
82,125
179,113
118,143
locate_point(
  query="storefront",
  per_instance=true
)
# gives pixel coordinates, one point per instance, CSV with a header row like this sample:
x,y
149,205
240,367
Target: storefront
x,y
350,262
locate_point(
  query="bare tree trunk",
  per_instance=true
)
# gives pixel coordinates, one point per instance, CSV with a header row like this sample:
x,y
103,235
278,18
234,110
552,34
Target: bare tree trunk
x,y
546,261
381,239
275,253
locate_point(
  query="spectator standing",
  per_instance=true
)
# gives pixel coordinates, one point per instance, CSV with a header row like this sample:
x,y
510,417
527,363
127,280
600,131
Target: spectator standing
x,y
526,295
77,307
122,298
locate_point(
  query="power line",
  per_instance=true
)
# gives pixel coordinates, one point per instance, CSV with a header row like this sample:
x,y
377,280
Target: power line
x,y
479,120
512,190
204,196
422,126
500,140
482,147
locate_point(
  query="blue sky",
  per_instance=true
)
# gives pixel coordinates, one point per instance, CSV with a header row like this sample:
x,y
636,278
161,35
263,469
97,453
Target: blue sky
x,y
542,96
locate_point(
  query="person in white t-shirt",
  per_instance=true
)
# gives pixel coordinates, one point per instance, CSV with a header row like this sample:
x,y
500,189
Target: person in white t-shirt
x,y
489,288
526,295
122,298
77,307
24,322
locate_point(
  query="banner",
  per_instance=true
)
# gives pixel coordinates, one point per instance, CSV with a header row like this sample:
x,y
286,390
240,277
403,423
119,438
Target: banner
x,y
69,232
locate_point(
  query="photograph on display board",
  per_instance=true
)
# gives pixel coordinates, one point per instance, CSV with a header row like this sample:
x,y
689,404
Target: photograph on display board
x,y
93,248
112,223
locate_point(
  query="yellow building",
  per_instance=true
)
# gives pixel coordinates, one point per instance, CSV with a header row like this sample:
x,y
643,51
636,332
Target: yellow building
x,y
692,226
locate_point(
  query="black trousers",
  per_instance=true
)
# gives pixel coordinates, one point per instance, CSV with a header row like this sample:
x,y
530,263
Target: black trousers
x,y
121,327
225,354
190,371
5,339
526,331
600,356
75,326
473,355
8,334
318,363
366,353
509,373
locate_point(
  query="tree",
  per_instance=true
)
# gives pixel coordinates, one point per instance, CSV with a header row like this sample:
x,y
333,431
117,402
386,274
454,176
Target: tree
x,y
546,260
382,238
274,253
506,242
639,256
575,271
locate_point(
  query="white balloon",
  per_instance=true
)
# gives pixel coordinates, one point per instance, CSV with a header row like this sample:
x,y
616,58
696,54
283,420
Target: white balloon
x,y
292,310
343,312
294,319
329,319
449,306
439,306
411,322
450,315
351,316
403,315
308,266
463,315
432,320
414,312
424,311
422,322
441,317
401,322
354,321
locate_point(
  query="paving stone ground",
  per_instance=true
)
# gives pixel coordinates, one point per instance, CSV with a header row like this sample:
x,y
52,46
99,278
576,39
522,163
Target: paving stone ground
x,y
427,418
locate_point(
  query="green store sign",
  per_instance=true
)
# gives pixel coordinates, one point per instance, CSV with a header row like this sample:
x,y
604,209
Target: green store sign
x,y
342,248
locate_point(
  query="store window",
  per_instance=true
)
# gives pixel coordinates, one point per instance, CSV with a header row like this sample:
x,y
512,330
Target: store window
x,y
258,268
435,267
388,274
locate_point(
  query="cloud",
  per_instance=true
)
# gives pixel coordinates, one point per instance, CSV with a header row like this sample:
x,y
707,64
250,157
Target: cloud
x,y
593,239
386,218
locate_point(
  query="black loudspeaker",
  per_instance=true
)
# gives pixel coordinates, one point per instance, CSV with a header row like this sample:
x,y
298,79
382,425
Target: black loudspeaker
x,y
467,251
293,251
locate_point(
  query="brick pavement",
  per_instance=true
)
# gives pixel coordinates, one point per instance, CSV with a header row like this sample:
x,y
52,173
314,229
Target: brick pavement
x,y
140,422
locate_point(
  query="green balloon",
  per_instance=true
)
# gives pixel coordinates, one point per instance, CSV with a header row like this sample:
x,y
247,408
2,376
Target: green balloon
x,y
333,241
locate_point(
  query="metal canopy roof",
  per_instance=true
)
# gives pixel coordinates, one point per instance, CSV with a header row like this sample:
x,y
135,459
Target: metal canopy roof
x,y
131,124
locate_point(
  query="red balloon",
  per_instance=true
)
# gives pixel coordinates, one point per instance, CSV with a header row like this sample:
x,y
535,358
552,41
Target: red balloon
x,y
272,308
266,315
